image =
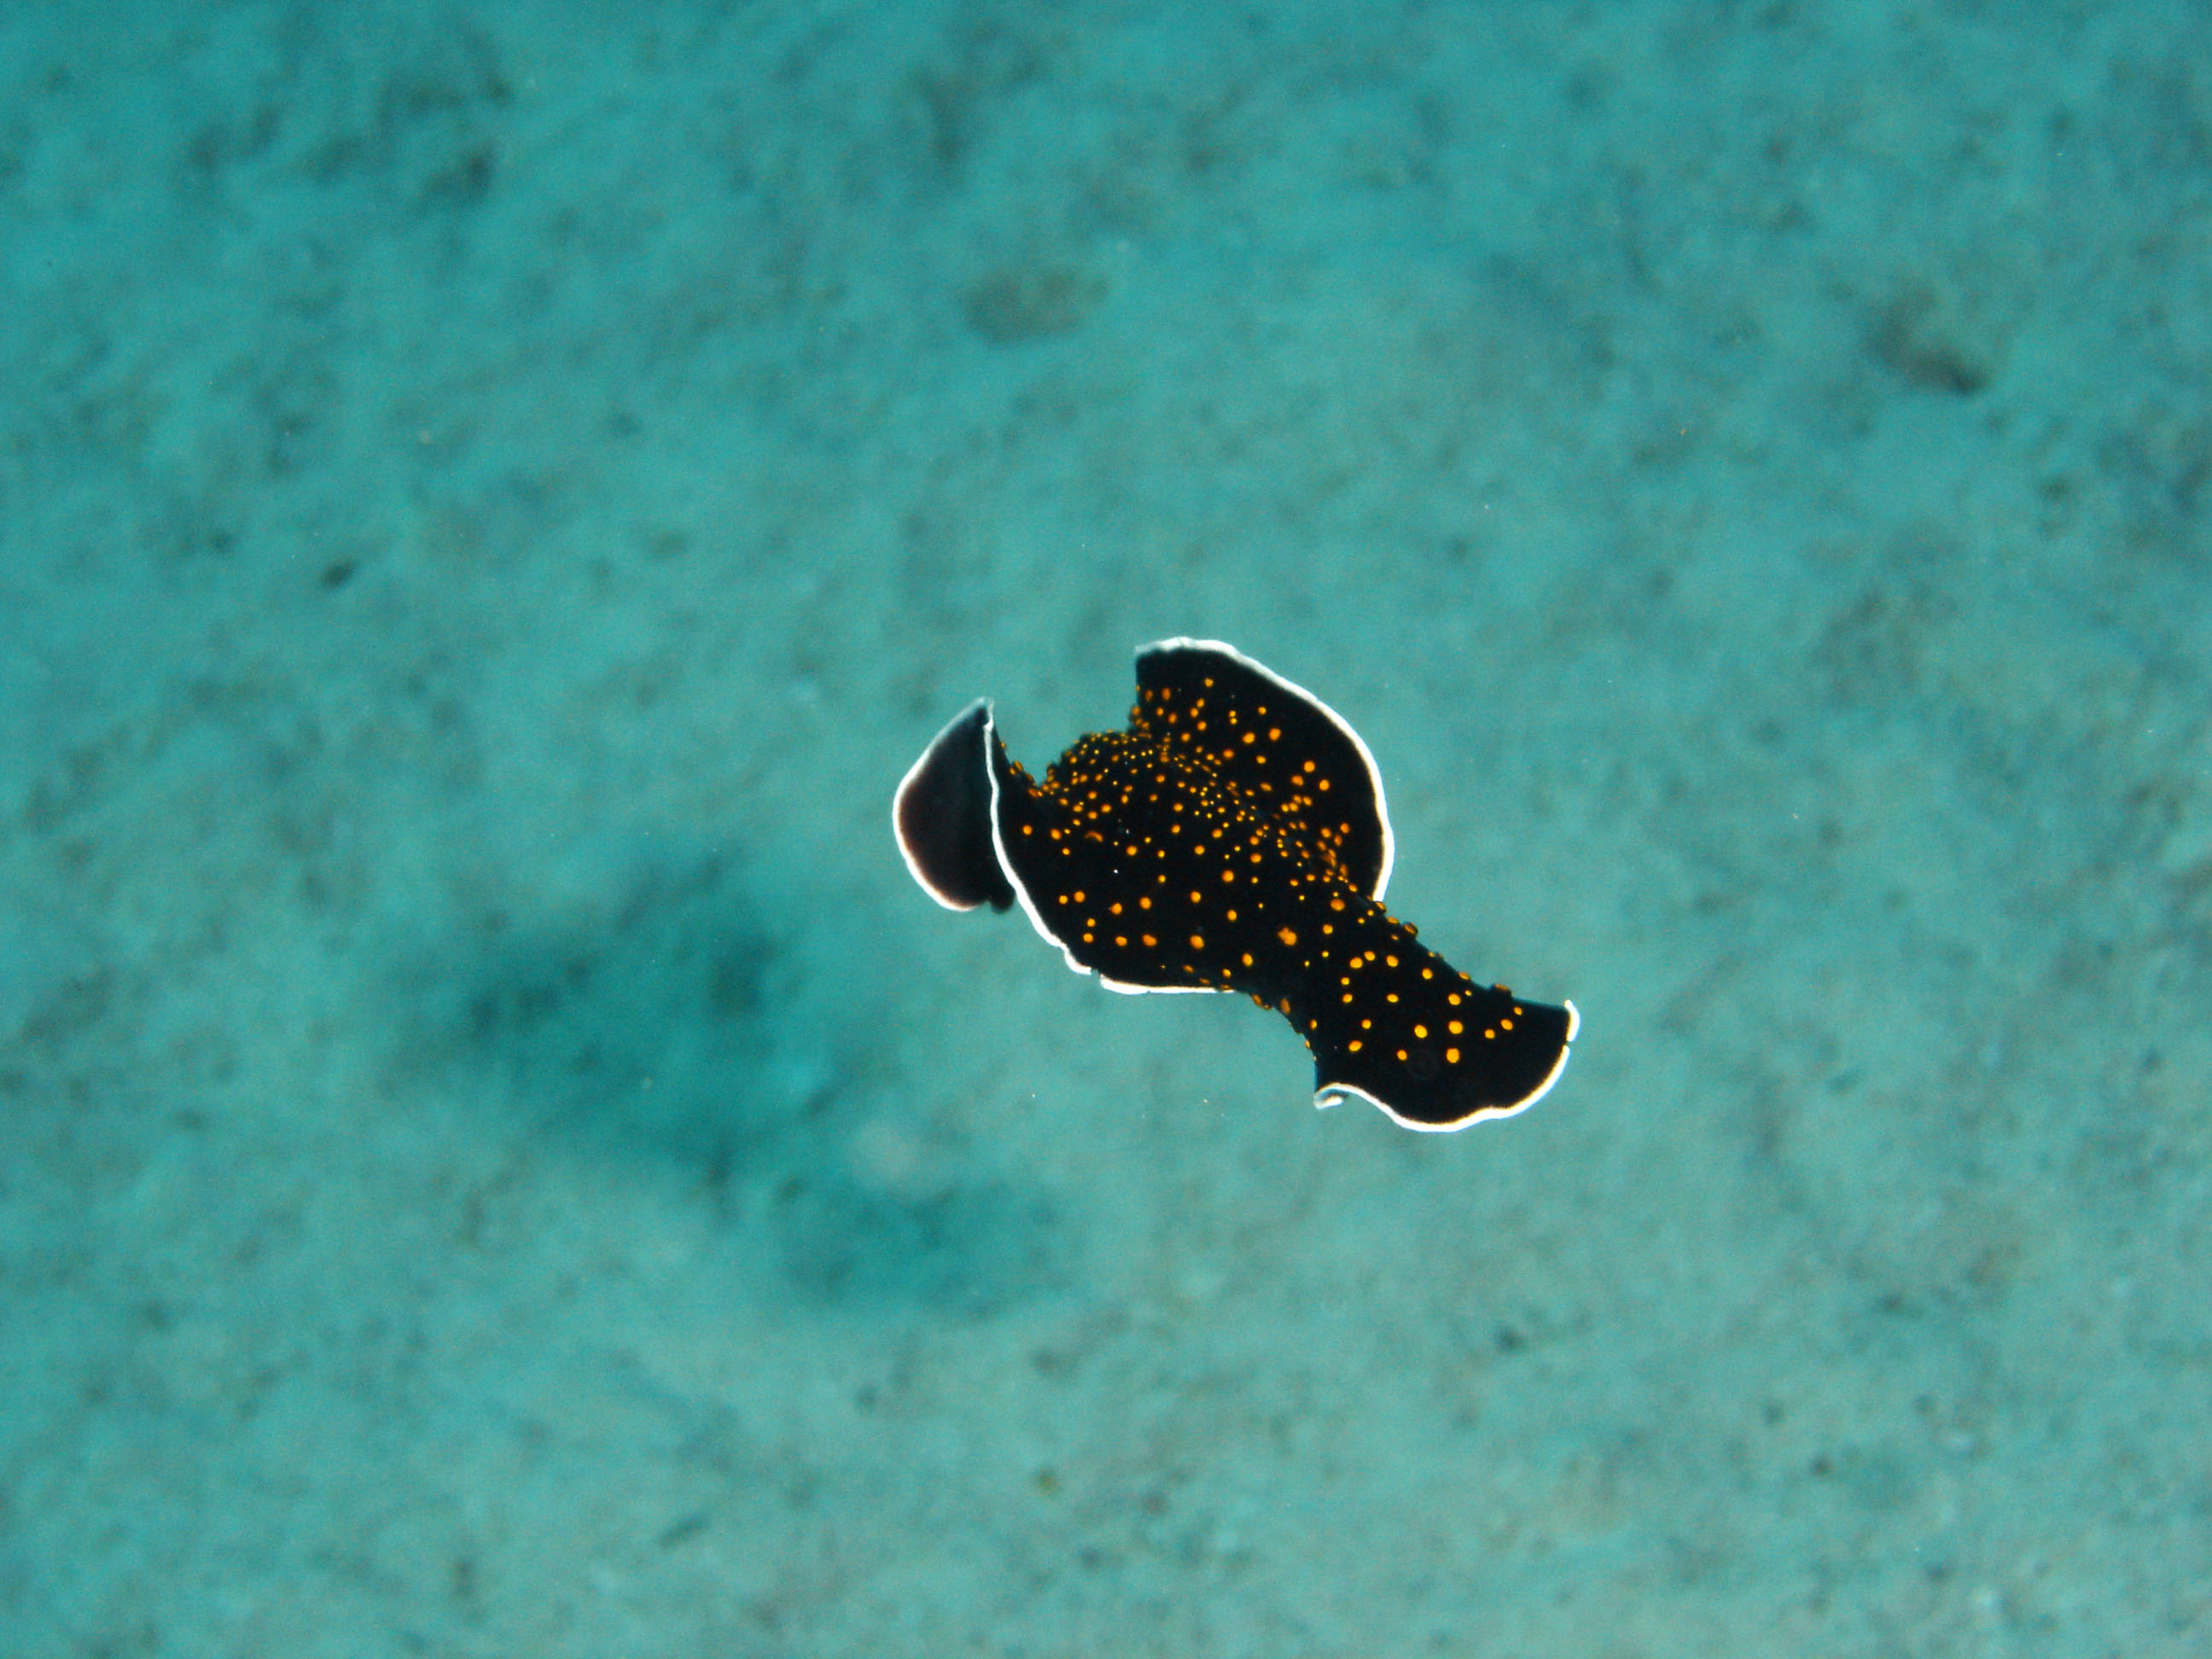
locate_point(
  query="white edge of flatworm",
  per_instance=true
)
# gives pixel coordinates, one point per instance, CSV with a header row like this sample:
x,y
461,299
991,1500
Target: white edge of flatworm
x,y
1028,904
1334,1094
899,830
1374,772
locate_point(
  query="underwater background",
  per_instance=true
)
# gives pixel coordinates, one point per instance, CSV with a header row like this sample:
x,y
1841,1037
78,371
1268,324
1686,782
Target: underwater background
x,y
497,1157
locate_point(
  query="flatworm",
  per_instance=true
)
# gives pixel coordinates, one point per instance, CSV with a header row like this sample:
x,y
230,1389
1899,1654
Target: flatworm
x,y
1232,839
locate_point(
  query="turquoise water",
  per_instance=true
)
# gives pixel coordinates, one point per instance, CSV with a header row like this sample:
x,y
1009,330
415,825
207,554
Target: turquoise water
x,y
497,1155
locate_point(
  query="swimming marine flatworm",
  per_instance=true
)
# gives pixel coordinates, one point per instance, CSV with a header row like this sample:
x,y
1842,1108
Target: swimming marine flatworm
x,y
1232,839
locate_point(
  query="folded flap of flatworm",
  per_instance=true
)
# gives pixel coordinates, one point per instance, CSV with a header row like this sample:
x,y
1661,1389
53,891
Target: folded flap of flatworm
x,y
1233,838
942,817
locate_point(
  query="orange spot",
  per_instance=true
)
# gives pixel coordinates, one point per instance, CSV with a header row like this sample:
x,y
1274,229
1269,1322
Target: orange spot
x,y
1452,1054
1196,943
1287,937
1420,1030
1454,1028
1353,1045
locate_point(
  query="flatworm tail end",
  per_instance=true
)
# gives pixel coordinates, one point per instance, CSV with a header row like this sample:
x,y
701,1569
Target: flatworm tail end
x,y
1511,1055
941,816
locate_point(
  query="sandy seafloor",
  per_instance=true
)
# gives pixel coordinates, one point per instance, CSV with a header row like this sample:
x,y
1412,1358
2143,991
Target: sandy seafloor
x,y
497,1158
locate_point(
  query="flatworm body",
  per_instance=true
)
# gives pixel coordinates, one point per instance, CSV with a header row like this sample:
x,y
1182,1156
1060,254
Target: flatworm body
x,y
1233,838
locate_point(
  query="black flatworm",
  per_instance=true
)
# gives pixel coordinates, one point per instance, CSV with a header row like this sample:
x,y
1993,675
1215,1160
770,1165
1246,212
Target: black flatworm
x,y
1232,839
